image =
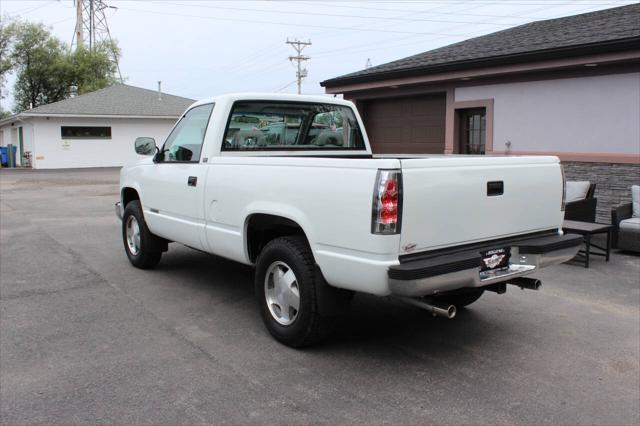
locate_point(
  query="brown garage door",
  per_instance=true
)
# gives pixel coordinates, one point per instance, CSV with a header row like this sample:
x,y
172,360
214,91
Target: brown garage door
x,y
406,125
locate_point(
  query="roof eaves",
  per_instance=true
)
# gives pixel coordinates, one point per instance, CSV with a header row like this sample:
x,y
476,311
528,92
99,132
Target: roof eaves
x,y
54,114
11,119
566,51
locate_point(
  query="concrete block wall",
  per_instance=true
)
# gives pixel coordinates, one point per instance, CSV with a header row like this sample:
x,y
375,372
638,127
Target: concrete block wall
x,y
613,183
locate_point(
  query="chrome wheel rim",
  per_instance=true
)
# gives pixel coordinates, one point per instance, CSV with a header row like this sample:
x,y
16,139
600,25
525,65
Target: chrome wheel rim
x,y
132,230
282,293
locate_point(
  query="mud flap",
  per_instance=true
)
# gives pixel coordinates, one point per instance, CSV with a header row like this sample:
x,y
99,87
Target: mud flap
x,y
332,301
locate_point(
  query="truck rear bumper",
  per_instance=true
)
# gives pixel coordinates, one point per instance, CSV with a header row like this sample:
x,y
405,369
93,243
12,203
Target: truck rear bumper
x,y
453,270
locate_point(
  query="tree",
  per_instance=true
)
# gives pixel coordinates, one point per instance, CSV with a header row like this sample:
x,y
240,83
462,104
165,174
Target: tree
x,y
6,64
39,60
93,69
46,69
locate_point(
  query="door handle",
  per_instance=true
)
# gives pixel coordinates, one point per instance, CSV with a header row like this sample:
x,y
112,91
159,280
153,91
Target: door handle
x,y
192,181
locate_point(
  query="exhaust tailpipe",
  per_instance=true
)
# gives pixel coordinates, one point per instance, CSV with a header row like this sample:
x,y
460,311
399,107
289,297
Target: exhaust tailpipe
x,y
528,283
447,312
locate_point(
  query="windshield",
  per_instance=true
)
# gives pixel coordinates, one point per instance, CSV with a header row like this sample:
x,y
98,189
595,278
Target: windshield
x,y
278,125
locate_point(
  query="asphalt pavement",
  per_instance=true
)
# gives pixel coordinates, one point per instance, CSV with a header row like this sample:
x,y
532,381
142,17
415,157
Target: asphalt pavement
x,y
87,338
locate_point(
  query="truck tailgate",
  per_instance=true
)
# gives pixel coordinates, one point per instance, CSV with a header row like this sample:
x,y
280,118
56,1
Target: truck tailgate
x,y
455,200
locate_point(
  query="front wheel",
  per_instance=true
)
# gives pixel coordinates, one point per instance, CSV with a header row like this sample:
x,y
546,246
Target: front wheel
x,y
143,249
287,289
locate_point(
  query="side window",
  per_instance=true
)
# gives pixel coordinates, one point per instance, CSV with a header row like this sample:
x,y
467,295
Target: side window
x,y
185,141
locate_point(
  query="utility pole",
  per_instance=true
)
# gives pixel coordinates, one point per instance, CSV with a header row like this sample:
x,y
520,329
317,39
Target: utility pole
x,y
79,34
302,72
91,26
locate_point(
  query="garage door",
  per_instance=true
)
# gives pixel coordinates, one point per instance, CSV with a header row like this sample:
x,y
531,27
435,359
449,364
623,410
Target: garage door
x,y
406,125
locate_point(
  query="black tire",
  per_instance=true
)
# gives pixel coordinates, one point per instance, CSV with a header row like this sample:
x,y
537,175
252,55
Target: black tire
x,y
309,326
458,298
151,246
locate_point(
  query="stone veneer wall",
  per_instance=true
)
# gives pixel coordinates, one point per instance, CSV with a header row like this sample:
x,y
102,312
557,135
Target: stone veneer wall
x,y
613,183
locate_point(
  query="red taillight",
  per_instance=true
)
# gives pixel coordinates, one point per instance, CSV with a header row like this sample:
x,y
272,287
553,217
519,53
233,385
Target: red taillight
x,y
387,201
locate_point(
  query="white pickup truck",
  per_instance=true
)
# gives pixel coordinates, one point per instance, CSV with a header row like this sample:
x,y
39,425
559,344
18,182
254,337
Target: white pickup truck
x,y
289,184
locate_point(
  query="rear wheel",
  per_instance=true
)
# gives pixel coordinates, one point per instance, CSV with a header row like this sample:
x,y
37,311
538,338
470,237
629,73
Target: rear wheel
x,y
287,291
458,298
143,248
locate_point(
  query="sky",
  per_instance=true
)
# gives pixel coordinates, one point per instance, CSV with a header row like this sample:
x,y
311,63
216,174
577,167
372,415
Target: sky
x,y
205,48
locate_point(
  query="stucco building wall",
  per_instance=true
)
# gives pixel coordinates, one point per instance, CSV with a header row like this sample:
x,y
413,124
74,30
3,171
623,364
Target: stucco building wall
x,y
51,150
591,114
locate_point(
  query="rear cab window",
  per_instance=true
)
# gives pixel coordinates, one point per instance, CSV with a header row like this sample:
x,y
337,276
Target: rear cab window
x,y
286,125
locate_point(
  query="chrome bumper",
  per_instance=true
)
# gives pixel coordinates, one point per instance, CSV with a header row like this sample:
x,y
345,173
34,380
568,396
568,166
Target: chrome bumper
x,y
450,272
119,210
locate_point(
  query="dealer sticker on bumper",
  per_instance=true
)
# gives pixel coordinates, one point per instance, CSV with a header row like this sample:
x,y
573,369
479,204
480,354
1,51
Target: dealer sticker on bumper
x,y
495,259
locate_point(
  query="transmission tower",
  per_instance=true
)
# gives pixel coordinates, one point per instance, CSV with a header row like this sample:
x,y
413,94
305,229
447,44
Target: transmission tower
x,y
92,28
302,72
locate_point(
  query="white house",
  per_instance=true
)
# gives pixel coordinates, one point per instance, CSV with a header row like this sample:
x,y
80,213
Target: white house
x,y
96,129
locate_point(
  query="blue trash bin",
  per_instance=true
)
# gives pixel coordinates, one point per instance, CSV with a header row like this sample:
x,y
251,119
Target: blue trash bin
x,y
3,156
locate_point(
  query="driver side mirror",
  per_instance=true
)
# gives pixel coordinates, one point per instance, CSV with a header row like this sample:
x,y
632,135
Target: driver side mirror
x,y
145,146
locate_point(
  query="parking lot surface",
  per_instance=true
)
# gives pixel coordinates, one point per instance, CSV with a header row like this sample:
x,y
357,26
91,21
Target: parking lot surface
x,y
87,338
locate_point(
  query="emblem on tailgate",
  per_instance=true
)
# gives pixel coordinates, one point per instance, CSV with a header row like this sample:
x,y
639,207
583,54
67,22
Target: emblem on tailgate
x,y
409,247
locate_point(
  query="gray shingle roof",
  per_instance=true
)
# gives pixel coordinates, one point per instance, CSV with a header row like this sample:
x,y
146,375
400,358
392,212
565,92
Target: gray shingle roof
x,y
572,32
118,100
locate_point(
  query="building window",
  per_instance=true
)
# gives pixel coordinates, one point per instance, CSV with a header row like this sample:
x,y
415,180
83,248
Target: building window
x,y
85,132
473,129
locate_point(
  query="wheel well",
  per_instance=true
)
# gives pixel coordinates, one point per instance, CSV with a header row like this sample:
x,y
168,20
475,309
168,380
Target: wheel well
x,y
262,228
128,195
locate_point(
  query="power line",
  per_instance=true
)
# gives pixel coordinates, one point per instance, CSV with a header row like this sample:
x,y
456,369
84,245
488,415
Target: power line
x,y
62,20
375,23
286,85
412,13
492,2
285,23
374,46
334,52
377,30
428,11
451,2
32,8
253,57
253,72
333,15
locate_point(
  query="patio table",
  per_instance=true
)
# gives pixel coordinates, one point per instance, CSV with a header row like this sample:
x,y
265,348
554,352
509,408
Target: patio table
x,y
587,230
